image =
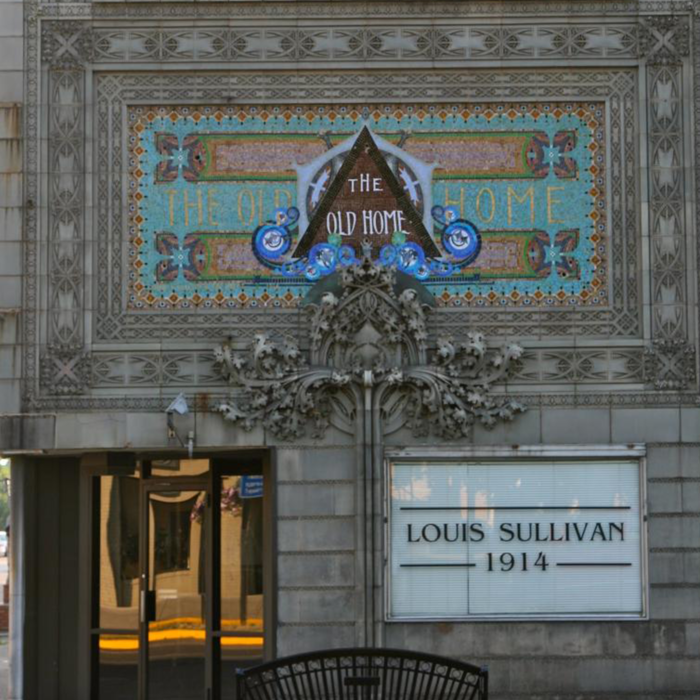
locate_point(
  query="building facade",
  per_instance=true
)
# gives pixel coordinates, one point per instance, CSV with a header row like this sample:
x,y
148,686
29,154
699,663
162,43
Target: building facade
x,y
351,324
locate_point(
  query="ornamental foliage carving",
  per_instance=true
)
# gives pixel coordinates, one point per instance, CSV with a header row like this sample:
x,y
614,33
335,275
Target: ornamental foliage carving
x,y
368,335
279,390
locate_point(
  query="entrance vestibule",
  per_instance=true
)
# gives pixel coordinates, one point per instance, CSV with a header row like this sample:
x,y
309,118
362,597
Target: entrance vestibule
x,y
180,577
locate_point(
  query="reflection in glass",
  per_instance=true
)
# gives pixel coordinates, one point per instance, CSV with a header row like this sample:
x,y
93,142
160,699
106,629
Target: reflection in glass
x,y
241,556
241,576
118,666
179,467
119,552
176,634
237,652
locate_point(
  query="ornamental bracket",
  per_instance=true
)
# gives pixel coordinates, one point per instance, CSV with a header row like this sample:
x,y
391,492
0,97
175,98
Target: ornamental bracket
x,y
368,330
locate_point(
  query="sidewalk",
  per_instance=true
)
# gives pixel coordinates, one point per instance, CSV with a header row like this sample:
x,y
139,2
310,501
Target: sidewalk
x,y
4,668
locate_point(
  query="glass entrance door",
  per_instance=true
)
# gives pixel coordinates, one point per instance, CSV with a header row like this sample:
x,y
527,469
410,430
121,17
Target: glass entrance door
x,y
180,584
173,597
237,624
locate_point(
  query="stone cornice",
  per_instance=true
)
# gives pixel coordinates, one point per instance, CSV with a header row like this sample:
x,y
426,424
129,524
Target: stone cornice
x,y
360,10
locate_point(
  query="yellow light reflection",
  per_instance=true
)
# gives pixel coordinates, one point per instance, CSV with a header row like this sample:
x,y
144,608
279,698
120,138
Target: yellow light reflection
x,y
132,644
166,630
172,621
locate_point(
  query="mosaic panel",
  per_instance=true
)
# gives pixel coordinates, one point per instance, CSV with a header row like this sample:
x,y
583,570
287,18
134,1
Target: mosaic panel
x,y
530,176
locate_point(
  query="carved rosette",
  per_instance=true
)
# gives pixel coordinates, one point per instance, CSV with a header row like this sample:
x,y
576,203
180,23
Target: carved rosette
x,y
664,40
67,45
66,370
371,333
670,364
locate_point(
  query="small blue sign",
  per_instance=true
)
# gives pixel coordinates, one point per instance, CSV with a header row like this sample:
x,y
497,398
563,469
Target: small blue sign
x,y
251,487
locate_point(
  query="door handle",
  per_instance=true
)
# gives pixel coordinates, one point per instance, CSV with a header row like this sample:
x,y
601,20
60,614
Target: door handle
x,y
148,606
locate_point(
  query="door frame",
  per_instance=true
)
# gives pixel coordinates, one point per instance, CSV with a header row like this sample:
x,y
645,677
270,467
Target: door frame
x,y
222,463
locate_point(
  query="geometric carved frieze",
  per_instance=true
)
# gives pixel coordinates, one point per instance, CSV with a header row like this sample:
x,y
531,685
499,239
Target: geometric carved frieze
x,y
193,369
153,369
377,42
583,366
281,11
64,367
667,153
67,203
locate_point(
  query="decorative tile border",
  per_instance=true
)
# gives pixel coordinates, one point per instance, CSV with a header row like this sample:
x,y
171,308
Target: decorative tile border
x,y
114,91
201,177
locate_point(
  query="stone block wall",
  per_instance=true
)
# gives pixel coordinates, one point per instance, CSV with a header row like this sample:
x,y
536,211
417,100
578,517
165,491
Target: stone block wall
x,y
318,602
658,657
98,374
11,201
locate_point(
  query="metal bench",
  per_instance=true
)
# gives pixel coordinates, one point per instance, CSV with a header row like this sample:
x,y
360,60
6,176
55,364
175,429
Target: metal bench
x,y
363,674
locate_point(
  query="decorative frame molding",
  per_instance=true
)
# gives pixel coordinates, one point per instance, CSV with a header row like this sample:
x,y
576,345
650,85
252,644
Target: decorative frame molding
x,y
75,50
113,91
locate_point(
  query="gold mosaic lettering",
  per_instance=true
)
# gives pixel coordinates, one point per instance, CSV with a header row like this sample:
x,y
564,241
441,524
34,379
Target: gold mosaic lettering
x,y
249,220
529,194
492,205
551,201
460,201
194,205
212,206
171,205
278,194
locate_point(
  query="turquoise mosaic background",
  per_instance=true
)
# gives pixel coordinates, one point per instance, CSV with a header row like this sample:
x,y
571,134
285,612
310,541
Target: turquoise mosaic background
x,y
531,177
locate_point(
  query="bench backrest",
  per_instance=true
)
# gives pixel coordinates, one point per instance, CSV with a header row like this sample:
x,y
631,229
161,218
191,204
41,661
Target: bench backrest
x,y
363,674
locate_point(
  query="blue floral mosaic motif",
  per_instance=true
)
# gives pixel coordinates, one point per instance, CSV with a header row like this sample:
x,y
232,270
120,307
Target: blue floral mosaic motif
x,y
529,179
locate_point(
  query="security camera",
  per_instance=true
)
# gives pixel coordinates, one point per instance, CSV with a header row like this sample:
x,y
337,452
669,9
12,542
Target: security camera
x,y
178,405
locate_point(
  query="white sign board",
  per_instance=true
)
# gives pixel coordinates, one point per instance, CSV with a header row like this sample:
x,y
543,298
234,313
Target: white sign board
x,y
510,539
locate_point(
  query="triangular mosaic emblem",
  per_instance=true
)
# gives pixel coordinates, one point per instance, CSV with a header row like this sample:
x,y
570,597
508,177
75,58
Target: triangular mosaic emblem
x,y
365,202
